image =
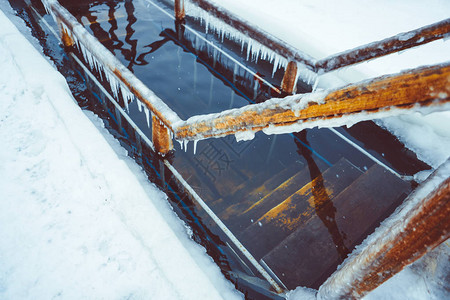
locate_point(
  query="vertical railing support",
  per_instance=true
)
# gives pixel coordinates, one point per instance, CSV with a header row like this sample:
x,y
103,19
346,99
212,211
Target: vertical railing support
x,y
161,137
288,84
179,10
419,227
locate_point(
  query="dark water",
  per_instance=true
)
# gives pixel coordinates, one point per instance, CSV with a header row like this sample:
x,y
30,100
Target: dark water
x,y
228,175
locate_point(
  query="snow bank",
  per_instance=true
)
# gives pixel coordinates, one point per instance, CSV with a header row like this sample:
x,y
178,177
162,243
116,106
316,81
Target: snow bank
x,y
78,219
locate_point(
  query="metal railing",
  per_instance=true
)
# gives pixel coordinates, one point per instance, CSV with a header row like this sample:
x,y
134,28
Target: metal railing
x,y
275,115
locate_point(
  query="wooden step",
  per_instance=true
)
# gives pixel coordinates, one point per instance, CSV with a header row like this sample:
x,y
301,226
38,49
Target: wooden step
x,y
252,209
274,226
311,253
253,189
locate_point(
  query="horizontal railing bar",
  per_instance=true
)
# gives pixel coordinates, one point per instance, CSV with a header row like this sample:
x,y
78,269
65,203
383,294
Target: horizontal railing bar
x,y
356,55
384,47
426,86
113,65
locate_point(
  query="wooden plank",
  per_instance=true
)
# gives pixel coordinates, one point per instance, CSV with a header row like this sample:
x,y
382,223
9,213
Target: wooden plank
x,y
234,215
387,46
311,253
425,86
420,226
252,210
279,222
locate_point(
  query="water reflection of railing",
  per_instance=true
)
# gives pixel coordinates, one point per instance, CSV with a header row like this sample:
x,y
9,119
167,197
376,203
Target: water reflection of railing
x,y
322,203
249,84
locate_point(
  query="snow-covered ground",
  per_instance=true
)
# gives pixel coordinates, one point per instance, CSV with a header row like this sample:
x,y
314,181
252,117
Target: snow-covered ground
x,y
78,219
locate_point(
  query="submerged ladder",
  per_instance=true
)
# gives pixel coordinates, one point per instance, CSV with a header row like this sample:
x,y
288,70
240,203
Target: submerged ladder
x,y
387,95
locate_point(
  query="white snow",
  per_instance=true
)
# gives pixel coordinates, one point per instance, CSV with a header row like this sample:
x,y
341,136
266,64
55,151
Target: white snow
x,y
78,218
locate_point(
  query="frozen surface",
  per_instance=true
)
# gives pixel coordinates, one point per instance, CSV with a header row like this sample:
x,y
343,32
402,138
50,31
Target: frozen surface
x,y
78,219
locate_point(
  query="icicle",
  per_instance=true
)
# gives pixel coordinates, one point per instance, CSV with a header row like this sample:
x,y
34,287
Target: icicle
x,y
139,105
126,95
147,115
275,65
181,144
47,7
249,48
255,89
316,83
232,99
235,71
185,145
255,50
195,146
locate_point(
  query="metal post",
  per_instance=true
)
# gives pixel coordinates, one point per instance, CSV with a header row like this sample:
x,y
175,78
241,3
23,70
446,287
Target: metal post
x,y
288,84
179,10
161,137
